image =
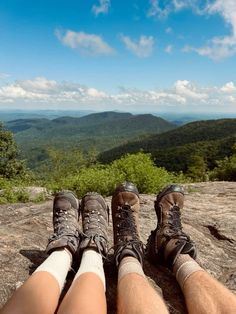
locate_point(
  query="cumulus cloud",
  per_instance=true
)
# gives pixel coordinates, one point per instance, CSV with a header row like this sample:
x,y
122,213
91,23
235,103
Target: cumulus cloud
x,y
169,30
38,85
161,9
41,89
188,90
169,49
88,44
222,47
156,10
183,95
228,87
102,7
216,48
142,48
4,76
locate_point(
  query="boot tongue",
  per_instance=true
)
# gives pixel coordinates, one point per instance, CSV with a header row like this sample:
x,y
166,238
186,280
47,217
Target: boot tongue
x,y
127,227
176,217
189,249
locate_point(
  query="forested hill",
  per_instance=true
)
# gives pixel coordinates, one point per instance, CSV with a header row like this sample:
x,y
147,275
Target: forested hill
x,y
101,131
212,139
97,124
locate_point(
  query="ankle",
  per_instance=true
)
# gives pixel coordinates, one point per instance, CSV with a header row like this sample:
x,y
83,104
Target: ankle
x,y
130,265
184,267
92,263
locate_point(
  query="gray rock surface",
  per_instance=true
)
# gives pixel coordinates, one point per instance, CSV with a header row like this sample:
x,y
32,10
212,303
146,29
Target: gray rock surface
x,y
209,217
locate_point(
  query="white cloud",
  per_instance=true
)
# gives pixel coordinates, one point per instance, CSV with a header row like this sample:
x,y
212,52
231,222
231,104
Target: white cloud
x,y
188,90
38,85
4,76
102,7
142,48
231,99
169,49
161,9
183,96
49,91
215,51
93,92
216,48
228,87
156,10
226,8
169,30
219,47
89,44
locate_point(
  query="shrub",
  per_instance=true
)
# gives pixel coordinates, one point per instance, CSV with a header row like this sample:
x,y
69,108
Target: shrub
x,y
138,168
13,195
225,170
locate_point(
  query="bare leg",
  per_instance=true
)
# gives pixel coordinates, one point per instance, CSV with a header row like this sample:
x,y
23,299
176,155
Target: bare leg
x,y
203,293
86,296
135,294
41,292
87,292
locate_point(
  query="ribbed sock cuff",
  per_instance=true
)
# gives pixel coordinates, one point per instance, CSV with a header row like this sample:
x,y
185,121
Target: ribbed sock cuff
x,y
57,264
184,267
129,265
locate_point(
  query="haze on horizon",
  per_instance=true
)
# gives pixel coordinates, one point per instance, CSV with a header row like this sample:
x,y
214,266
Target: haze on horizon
x,y
144,56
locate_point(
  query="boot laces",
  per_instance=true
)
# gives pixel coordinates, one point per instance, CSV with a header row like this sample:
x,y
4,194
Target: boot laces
x,y
94,225
64,223
126,223
175,222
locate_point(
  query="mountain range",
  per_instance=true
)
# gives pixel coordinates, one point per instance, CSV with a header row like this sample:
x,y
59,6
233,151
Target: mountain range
x,y
101,131
113,134
175,149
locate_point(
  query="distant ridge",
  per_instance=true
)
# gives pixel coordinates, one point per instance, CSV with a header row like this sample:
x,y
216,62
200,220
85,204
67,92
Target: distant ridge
x,y
111,122
101,131
172,148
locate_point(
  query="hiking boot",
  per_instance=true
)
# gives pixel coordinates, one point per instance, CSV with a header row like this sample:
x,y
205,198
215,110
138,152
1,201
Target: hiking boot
x,y
95,215
168,240
65,223
125,215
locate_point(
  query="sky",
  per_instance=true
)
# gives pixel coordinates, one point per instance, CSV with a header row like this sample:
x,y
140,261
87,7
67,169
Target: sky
x,y
127,55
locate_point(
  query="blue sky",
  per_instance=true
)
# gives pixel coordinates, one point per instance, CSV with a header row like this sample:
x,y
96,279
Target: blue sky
x,y
111,54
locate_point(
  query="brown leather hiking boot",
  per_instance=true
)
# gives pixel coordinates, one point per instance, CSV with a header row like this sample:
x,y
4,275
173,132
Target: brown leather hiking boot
x,y
95,215
168,240
65,223
125,215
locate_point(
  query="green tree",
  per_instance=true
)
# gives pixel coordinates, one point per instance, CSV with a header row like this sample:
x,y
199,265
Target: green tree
x,y
225,170
61,164
197,168
10,166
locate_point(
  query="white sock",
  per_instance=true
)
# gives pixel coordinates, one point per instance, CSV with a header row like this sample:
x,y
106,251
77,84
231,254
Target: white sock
x,y
57,264
92,263
129,265
184,267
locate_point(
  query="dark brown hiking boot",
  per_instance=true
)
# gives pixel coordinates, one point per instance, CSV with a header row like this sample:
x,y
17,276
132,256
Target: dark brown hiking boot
x,y
125,215
65,223
168,240
95,214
